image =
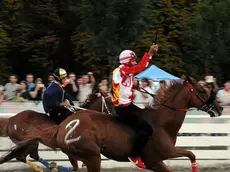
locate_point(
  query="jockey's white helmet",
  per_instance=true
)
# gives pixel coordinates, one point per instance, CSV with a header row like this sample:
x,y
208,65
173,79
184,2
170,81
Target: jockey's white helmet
x,y
126,56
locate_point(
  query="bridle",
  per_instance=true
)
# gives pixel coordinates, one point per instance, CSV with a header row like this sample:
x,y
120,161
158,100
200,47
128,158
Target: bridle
x,y
103,104
193,90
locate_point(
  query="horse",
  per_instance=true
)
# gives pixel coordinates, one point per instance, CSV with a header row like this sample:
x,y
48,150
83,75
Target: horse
x,y
18,125
87,134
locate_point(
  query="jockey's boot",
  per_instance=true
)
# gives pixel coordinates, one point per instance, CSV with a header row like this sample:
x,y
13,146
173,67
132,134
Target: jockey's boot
x,y
137,162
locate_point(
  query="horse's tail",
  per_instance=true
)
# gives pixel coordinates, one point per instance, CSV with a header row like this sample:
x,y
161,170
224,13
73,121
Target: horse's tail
x,y
51,134
17,150
3,127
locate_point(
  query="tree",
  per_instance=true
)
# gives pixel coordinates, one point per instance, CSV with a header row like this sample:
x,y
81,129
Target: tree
x,y
173,16
4,41
109,27
39,36
209,36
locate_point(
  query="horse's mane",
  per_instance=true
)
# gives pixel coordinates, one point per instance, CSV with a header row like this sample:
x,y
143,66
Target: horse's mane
x,y
171,88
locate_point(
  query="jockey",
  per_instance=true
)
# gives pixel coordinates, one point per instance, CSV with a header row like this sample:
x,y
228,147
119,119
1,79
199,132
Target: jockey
x,y
123,96
55,98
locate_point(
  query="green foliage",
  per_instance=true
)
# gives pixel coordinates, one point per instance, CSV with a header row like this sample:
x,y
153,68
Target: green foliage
x,y
173,16
88,35
208,37
4,41
107,27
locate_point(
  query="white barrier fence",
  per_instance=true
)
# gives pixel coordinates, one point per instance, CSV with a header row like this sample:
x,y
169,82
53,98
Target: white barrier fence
x,y
208,138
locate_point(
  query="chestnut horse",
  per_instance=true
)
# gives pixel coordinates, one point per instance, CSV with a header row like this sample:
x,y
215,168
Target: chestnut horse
x,y
18,125
86,135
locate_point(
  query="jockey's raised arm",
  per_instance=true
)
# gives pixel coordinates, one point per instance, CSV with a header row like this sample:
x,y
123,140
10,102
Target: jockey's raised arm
x,y
128,59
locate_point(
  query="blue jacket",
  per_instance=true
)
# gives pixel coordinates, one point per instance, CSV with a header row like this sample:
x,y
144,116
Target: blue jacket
x,y
53,96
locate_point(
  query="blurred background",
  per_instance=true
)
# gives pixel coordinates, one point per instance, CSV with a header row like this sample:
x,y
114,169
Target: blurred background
x,y
85,37
88,35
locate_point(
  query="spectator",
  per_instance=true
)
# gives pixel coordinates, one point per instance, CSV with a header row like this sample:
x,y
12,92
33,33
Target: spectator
x,y
136,83
208,87
71,86
201,82
151,84
79,81
23,93
11,88
86,88
50,79
211,81
142,99
146,85
104,85
162,88
36,93
1,94
223,96
30,81
104,82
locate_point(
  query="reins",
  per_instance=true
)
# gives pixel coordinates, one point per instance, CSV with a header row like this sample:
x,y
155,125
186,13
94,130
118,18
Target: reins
x,y
173,108
145,91
103,104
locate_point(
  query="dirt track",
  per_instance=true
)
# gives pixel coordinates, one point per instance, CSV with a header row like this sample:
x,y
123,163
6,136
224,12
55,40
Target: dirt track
x,y
219,169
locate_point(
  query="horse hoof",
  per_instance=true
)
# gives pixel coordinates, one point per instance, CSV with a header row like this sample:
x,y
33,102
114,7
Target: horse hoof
x,y
54,170
39,170
53,165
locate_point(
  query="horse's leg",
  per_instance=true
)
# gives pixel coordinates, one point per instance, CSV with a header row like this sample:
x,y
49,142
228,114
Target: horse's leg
x,y
74,163
93,163
153,156
86,151
20,152
34,154
178,152
34,166
62,168
22,158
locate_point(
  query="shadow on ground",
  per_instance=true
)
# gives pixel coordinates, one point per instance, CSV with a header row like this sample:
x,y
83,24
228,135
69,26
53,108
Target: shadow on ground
x,y
224,168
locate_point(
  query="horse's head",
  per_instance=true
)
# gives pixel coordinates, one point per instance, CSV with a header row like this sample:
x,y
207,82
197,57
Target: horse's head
x,y
202,99
100,101
107,103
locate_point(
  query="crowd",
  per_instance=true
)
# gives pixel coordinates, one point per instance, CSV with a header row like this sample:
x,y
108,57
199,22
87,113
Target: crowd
x,y
222,93
78,88
209,83
32,89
